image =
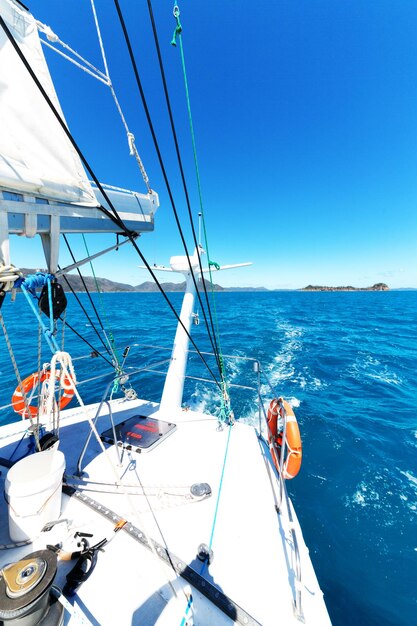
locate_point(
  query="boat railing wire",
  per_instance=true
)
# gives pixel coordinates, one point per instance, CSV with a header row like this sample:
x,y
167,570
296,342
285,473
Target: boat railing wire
x,y
262,402
262,381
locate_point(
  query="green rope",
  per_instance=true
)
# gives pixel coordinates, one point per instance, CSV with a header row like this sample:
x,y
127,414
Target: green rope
x,y
225,411
178,29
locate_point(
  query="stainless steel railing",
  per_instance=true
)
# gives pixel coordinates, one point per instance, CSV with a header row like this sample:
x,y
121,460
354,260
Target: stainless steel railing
x,y
260,374
284,500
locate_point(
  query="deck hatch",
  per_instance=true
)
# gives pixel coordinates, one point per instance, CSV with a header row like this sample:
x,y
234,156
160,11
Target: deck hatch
x,y
139,433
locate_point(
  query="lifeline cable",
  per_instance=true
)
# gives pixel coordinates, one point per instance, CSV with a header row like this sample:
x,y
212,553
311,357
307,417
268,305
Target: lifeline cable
x,y
112,215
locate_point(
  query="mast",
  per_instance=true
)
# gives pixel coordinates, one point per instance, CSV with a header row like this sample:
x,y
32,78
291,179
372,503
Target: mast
x,y
174,383
171,399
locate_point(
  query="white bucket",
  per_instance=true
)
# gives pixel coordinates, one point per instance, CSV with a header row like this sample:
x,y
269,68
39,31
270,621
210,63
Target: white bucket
x,y
33,491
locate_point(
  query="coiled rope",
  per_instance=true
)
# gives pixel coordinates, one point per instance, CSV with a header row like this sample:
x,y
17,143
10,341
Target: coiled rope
x,y
8,276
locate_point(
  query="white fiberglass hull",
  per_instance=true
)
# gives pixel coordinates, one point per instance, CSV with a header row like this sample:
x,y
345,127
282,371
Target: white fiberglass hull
x,y
254,559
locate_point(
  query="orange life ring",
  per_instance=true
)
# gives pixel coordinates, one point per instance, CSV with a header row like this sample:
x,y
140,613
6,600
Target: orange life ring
x,y
18,402
292,463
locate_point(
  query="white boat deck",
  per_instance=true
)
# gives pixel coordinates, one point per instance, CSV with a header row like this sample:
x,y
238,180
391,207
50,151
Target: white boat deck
x,y
254,558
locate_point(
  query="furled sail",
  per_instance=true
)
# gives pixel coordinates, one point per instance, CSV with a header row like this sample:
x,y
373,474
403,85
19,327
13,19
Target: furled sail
x,y
35,154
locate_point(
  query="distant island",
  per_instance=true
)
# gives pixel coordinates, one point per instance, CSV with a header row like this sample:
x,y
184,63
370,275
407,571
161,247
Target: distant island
x,y
73,282
376,287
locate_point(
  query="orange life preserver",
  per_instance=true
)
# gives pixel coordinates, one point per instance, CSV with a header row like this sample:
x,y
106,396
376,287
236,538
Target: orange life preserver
x,y
292,463
18,402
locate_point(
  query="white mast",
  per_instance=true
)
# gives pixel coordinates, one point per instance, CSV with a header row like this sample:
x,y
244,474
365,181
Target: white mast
x,y
174,383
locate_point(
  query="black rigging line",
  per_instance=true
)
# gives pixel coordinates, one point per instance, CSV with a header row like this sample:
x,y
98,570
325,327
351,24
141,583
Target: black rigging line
x,y
161,163
85,313
96,352
113,216
87,342
83,282
89,297
174,134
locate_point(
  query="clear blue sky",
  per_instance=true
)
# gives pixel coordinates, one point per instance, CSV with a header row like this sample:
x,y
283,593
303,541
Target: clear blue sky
x,y
305,116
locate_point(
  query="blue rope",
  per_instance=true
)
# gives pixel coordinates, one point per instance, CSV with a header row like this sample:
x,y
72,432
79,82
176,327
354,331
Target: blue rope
x,y
43,279
187,610
34,281
31,445
218,496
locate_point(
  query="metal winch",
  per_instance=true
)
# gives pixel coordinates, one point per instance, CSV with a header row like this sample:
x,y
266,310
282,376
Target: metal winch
x,y
25,592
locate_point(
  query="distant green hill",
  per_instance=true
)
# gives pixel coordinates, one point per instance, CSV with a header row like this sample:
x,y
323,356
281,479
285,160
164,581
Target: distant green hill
x,y
376,287
108,286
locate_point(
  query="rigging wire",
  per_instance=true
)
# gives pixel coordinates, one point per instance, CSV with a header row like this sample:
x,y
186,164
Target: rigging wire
x,y
178,34
118,365
174,133
103,77
109,347
111,214
95,351
161,163
85,312
53,38
177,149
129,134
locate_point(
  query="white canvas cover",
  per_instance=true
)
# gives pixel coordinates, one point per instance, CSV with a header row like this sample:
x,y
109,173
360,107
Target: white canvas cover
x,y
35,154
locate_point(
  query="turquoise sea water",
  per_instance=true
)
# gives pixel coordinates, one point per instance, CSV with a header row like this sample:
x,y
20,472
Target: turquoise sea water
x,y
347,362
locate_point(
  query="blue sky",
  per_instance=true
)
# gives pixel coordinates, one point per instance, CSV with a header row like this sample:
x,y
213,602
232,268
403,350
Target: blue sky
x,y
305,116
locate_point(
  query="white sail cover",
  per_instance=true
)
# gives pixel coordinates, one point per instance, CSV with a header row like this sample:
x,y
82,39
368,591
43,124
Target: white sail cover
x,y
35,154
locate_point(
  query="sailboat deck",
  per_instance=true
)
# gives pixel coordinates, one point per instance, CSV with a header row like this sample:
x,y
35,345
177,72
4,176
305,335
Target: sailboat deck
x,y
194,453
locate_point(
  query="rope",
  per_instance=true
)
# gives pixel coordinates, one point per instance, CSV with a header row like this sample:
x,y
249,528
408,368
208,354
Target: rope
x,y
64,360
216,510
39,363
139,84
225,412
74,62
8,276
52,37
108,334
130,136
102,77
48,334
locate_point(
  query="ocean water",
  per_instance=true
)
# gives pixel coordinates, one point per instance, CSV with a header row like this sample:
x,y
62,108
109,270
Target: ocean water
x,y
347,362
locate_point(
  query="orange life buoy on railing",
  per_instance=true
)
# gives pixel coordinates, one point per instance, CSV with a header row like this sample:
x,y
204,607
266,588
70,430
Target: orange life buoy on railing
x,y
18,402
292,463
